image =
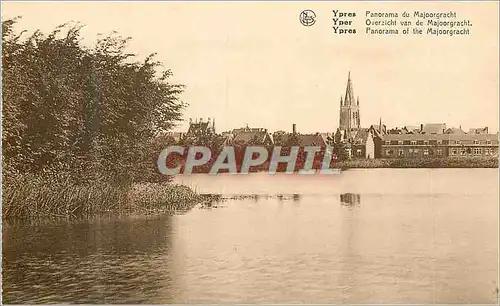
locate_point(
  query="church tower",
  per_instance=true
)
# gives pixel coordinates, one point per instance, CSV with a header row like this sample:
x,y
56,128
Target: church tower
x,y
349,109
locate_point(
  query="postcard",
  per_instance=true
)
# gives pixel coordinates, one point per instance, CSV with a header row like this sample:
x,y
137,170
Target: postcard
x,y
333,152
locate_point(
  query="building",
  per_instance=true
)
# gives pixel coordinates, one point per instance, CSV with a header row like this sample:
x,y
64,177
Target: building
x,y
200,128
200,133
303,140
438,145
282,138
246,129
251,137
354,141
363,144
478,130
433,128
411,129
349,109
454,130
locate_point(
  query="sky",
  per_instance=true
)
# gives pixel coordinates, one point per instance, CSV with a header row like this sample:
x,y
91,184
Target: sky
x,y
254,63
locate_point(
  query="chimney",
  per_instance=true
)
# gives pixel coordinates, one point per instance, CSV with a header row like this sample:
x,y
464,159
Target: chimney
x,y
421,127
294,128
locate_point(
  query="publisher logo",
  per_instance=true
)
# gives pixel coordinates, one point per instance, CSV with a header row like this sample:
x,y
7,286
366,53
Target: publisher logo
x,y
307,18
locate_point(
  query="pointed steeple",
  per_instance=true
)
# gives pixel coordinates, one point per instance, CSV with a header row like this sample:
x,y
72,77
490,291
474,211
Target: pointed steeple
x,y
349,93
380,125
357,101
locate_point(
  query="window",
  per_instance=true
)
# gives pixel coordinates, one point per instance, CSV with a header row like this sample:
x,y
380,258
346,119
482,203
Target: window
x,y
488,142
426,151
358,151
387,142
426,142
476,141
439,142
415,151
462,151
439,152
400,152
477,151
400,142
410,151
487,151
457,142
454,151
413,142
388,152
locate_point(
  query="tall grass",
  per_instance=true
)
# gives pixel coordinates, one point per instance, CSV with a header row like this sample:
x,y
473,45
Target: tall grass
x,y
162,197
31,196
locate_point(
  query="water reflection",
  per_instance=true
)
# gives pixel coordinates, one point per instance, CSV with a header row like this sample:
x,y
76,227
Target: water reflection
x,y
287,197
99,261
350,199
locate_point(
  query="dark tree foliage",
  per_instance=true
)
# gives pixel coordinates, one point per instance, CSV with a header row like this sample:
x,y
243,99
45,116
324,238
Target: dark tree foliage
x,y
88,112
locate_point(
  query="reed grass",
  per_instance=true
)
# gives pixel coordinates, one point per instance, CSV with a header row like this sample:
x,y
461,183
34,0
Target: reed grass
x,y
25,197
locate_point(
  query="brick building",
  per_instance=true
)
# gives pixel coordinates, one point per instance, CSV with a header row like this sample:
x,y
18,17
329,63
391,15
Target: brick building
x,y
438,145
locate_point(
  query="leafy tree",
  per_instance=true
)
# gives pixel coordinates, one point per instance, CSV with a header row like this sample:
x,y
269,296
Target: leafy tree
x,y
90,112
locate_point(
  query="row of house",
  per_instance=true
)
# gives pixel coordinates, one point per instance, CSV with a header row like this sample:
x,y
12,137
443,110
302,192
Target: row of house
x,y
411,141
353,141
429,140
373,142
438,145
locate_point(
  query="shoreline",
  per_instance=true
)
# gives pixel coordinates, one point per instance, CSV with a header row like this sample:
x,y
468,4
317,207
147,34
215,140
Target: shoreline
x,y
378,163
424,163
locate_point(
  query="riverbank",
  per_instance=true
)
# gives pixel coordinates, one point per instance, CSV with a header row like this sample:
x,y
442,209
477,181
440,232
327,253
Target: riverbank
x,y
32,197
448,162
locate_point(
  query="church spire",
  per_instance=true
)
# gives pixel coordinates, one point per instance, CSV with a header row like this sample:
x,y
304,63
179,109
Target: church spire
x,y
349,119
349,93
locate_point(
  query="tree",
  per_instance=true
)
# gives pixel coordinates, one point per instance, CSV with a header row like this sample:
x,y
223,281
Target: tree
x,y
89,112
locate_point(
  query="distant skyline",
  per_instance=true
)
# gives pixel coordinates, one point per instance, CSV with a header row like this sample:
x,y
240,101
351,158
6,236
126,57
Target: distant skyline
x,y
254,63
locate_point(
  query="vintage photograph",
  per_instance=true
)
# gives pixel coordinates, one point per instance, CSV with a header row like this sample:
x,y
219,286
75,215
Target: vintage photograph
x,y
169,152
